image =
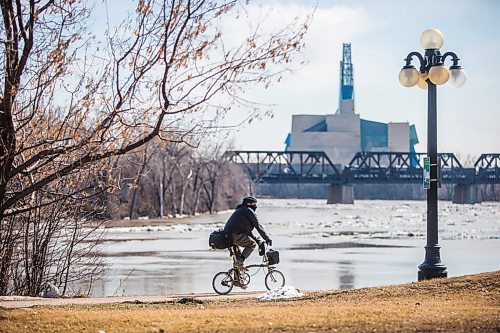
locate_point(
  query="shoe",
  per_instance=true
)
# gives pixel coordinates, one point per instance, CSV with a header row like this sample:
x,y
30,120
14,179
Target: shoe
x,y
239,285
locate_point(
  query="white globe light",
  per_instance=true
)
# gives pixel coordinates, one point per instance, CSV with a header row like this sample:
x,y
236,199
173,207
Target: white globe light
x,y
431,39
457,77
439,74
408,77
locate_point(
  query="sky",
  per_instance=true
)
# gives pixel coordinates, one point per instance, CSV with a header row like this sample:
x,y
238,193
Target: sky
x,y
381,34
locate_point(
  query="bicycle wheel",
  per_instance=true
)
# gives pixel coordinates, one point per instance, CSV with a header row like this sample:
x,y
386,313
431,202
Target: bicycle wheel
x,y
274,279
245,279
223,283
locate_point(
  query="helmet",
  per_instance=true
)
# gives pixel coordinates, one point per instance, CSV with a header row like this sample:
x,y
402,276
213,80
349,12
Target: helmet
x,y
249,199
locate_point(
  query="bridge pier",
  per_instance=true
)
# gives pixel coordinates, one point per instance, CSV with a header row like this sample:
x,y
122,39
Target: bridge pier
x,y
466,194
340,194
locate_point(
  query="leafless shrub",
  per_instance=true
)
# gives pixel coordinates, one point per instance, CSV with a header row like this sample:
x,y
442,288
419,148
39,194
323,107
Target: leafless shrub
x,y
55,242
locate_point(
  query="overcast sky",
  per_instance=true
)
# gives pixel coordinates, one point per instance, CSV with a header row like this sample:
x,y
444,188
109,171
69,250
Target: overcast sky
x,y
382,33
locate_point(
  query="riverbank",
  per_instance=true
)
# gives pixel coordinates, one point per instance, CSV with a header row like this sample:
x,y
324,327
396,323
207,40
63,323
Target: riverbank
x,y
146,221
468,303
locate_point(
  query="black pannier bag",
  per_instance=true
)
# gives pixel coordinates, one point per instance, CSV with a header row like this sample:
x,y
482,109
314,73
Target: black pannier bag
x,y
273,257
219,239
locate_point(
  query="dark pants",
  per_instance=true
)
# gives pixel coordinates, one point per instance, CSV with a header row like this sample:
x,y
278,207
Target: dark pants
x,y
246,242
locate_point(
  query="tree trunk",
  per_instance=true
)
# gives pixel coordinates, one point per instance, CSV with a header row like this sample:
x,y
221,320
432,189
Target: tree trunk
x,y
183,193
144,163
162,213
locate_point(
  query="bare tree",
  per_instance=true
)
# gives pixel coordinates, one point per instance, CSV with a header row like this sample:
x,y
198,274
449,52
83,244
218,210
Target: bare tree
x,y
192,178
69,104
197,183
165,65
185,183
137,180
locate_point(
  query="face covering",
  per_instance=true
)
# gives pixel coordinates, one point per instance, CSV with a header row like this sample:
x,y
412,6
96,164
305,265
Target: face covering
x,y
254,208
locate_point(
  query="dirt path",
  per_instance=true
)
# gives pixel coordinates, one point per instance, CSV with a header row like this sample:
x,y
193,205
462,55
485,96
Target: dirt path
x,y
15,302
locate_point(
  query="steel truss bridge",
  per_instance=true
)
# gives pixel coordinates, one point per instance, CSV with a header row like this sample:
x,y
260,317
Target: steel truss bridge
x,y
365,167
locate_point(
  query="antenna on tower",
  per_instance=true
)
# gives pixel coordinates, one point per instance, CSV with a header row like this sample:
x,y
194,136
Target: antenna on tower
x,y
346,78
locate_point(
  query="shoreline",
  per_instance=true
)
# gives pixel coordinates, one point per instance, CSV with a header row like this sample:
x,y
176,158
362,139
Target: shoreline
x,y
165,221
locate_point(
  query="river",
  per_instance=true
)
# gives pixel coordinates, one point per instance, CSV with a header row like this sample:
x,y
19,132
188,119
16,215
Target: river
x,y
369,243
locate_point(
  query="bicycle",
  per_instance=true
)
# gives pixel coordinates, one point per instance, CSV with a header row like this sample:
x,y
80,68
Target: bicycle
x,y
223,282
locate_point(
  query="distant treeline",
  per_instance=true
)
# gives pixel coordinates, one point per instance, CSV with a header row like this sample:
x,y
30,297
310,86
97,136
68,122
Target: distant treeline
x,y
175,179
168,180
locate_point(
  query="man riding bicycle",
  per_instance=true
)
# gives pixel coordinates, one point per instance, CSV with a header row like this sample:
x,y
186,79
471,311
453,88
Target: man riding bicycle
x,y
240,226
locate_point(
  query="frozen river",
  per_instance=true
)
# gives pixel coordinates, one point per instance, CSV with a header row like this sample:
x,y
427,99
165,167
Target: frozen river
x,y
321,246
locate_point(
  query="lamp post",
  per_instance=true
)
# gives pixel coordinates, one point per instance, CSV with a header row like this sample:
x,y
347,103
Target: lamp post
x,y
431,73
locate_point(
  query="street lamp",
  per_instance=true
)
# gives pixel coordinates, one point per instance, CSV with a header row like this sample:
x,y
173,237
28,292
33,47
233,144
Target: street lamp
x,y
432,72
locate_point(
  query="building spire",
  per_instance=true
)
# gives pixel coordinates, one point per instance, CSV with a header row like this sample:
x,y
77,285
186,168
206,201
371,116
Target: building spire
x,y
346,86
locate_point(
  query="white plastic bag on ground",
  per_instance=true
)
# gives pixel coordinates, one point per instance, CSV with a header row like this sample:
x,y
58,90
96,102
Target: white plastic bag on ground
x,y
281,293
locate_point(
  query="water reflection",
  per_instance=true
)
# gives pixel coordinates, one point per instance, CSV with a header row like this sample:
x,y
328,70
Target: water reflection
x,y
346,275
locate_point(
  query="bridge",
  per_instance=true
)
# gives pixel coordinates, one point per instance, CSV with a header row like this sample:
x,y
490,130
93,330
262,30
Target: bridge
x,y
366,168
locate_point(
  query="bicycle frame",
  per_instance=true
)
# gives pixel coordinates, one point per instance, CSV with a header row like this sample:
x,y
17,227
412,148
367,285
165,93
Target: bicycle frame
x,y
234,250
241,275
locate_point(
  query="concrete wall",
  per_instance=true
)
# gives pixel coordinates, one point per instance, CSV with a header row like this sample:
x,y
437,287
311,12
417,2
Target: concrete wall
x,y
301,122
347,106
361,191
344,122
398,135
340,194
467,194
342,140
340,147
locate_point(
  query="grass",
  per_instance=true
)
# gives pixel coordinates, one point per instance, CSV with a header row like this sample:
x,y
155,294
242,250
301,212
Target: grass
x,y
470,303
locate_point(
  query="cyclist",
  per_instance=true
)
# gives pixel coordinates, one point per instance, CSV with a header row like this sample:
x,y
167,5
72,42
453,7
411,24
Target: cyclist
x,y
240,226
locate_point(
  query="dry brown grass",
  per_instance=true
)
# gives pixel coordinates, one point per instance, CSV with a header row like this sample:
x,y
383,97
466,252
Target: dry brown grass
x,y
470,303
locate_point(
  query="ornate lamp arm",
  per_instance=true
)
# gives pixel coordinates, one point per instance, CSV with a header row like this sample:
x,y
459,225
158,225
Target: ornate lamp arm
x,y
421,59
454,58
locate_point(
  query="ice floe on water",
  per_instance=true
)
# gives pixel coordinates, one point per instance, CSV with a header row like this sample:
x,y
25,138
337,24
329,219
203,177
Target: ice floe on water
x,y
366,219
339,246
285,292
378,219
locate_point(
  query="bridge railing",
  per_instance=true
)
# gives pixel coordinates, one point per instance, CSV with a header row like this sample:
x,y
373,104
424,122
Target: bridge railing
x,y
278,166
488,168
397,167
365,167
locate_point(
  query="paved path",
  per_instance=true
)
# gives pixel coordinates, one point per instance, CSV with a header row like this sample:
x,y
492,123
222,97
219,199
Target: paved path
x,y
13,302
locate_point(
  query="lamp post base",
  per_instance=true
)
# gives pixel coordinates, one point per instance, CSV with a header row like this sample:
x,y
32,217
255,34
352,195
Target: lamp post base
x,y
432,267
432,274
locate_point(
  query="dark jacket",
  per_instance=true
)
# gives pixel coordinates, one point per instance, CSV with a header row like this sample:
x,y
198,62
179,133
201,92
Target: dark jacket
x,y
243,221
